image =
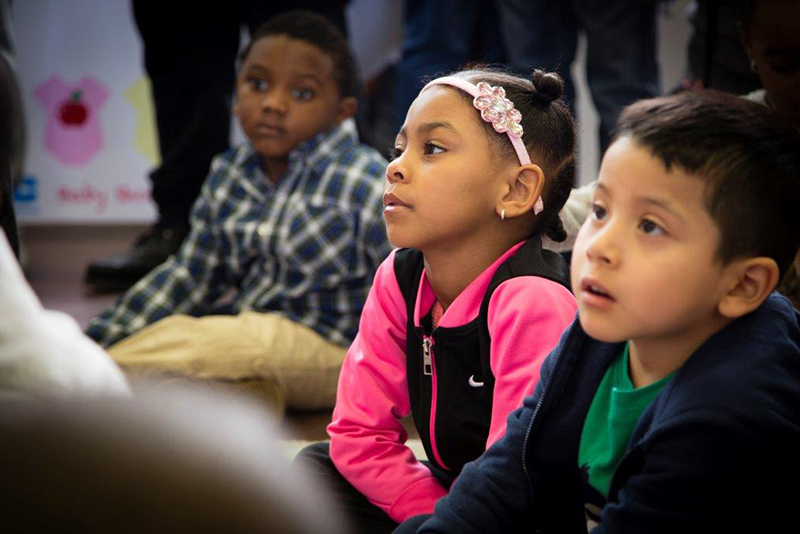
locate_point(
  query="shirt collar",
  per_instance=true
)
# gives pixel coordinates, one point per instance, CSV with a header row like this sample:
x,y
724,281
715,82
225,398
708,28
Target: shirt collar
x,y
311,153
314,151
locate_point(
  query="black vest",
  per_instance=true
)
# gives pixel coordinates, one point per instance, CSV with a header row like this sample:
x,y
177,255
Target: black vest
x,y
460,359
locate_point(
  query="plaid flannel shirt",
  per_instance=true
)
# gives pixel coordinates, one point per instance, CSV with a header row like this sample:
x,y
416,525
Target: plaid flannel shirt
x,y
306,246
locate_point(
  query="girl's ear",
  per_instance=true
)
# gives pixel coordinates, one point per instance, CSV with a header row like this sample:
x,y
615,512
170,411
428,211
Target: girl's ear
x,y
752,280
525,188
347,108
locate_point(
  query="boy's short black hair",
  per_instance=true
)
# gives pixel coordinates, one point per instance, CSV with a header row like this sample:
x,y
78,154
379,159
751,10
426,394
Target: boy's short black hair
x,y
748,155
316,30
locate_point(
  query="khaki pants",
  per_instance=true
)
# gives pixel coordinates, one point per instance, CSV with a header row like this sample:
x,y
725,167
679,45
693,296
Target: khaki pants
x,y
291,362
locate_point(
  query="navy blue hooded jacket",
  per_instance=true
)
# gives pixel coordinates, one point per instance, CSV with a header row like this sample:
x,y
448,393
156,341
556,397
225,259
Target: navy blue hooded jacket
x,y
716,451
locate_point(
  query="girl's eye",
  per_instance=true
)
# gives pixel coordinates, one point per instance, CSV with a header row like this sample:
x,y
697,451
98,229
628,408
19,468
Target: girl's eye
x,y
431,149
650,228
598,212
258,84
395,153
302,94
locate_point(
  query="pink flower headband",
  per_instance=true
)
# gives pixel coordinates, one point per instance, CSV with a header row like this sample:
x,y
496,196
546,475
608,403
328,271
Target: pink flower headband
x,y
497,109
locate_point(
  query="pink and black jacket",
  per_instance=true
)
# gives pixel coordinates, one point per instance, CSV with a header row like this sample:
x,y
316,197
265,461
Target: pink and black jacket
x,y
460,380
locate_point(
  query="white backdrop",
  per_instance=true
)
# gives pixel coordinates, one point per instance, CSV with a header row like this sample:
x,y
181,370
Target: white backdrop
x,y
91,134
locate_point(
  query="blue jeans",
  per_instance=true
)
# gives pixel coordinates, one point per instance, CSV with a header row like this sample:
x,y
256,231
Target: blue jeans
x,y
621,37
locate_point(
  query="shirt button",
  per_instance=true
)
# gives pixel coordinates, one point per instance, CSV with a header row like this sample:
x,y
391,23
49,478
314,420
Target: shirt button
x,y
263,230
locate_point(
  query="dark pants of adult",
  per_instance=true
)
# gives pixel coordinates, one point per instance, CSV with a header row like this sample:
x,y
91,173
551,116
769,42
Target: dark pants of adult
x,y
10,125
621,38
443,36
190,56
364,517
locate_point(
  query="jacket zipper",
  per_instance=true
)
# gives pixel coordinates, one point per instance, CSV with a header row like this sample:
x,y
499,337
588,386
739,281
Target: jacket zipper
x,y
429,369
427,359
536,411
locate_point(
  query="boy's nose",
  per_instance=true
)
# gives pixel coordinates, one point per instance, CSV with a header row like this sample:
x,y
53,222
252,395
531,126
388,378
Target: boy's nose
x,y
603,248
273,101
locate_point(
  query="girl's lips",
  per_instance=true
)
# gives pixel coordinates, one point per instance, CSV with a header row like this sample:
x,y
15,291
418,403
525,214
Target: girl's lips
x,y
391,202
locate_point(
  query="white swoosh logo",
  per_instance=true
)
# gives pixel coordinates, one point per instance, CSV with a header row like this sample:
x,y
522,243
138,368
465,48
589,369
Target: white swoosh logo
x,y
473,383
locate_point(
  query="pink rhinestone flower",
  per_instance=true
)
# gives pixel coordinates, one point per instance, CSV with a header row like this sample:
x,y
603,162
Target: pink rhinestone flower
x,y
497,109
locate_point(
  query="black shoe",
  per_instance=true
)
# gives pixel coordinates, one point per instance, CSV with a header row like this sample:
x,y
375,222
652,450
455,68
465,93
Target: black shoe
x,y
151,249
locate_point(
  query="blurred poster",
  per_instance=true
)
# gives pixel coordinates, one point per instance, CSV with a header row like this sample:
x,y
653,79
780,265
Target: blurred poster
x,y
91,127
91,136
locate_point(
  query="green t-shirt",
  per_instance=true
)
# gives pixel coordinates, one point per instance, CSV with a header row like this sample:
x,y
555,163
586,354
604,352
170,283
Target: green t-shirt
x,y
613,415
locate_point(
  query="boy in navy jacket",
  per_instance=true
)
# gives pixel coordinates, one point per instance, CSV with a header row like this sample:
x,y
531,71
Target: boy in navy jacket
x,y
673,402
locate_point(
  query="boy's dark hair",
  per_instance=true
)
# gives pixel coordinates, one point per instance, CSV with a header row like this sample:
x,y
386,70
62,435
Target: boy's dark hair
x,y
315,30
549,136
748,155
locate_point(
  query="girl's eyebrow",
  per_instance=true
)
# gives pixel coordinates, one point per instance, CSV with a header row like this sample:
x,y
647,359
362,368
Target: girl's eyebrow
x,y
429,127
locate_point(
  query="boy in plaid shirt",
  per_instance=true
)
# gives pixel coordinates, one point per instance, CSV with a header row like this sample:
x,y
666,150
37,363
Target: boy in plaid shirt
x,y
290,222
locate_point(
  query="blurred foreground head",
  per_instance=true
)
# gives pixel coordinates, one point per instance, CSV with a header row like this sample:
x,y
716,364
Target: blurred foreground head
x,y
169,461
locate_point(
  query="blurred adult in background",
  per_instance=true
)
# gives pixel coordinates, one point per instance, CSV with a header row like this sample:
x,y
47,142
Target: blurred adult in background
x,y
12,132
770,33
621,36
715,58
190,56
44,352
172,461
442,36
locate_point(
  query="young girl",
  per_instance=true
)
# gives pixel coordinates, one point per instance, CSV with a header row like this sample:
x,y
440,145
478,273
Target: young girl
x,y
459,320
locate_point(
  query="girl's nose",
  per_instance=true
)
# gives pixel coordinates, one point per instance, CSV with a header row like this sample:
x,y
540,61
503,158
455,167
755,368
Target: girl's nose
x,y
396,171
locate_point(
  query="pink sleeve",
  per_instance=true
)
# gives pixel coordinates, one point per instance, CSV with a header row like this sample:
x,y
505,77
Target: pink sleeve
x,y
94,93
367,438
526,318
51,92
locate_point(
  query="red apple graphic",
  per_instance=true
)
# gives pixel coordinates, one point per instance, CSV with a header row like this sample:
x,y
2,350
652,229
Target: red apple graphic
x,y
73,112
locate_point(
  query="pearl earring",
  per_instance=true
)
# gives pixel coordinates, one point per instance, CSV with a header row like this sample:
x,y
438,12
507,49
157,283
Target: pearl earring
x,y
503,214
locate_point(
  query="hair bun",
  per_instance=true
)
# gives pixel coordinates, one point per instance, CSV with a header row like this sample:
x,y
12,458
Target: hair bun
x,y
548,86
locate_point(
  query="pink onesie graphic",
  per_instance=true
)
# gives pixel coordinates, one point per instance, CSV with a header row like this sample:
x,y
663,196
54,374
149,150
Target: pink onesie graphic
x,y
72,132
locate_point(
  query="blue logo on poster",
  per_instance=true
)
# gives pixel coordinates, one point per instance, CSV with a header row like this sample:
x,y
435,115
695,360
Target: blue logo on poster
x,y
26,190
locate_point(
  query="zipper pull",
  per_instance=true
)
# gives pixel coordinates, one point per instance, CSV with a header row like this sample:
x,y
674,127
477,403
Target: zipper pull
x,y
427,360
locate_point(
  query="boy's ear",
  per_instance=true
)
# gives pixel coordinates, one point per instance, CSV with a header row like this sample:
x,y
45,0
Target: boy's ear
x,y
347,108
524,189
752,280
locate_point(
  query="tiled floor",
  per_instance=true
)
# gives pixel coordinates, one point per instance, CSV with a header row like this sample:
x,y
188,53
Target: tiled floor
x,y
56,258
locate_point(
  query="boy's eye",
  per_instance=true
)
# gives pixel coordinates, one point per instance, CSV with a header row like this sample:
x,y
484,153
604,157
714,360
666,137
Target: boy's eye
x,y
650,228
598,212
258,84
302,94
432,149
395,153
